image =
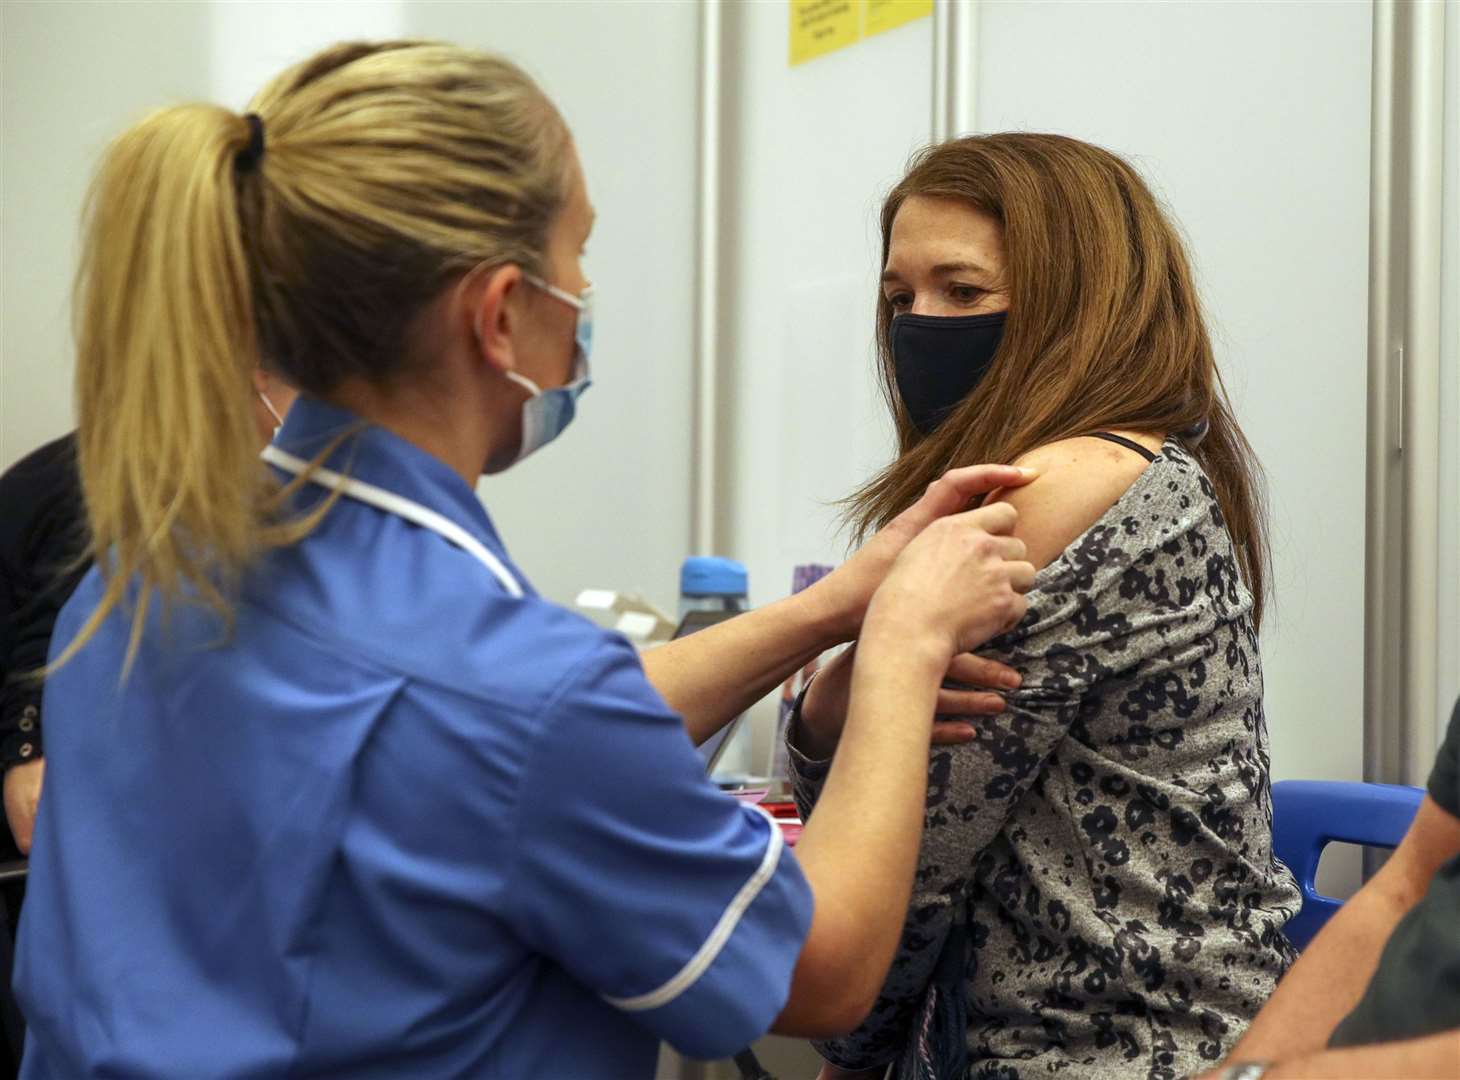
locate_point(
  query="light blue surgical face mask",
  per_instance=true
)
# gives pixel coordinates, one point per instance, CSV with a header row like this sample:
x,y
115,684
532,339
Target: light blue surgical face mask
x,y
546,413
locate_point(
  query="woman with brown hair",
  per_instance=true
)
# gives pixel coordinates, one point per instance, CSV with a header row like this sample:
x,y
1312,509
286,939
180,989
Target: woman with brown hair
x,y
1097,893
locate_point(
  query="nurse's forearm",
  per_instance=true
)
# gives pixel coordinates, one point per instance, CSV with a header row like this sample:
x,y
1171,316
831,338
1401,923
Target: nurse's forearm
x,y
712,676
860,848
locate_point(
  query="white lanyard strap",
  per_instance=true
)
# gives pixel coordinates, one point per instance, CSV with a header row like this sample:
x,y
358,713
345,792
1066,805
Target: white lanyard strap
x,y
401,507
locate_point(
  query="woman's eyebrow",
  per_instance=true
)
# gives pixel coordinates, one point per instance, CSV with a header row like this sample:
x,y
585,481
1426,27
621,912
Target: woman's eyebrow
x,y
947,269
950,268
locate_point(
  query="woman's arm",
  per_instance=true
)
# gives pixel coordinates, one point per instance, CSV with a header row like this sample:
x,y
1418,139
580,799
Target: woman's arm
x,y
970,792
954,587
1080,479
972,789
713,676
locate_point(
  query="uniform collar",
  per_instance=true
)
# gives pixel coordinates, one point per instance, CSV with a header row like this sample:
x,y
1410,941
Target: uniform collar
x,y
377,456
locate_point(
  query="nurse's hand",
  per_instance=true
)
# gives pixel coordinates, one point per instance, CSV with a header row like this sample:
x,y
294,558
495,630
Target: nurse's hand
x,y
824,708
960,582
848,590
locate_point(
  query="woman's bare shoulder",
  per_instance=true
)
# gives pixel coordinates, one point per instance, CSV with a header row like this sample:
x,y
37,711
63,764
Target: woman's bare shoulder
x,y
1079,480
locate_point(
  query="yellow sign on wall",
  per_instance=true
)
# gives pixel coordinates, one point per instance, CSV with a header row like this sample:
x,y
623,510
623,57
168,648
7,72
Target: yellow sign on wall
x,y
889,14
822,26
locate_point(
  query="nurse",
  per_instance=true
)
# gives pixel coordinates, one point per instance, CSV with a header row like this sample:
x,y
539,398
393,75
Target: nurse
x,y
332,791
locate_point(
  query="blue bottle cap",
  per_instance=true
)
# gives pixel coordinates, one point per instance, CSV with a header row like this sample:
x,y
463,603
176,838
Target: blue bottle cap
x,y
710,575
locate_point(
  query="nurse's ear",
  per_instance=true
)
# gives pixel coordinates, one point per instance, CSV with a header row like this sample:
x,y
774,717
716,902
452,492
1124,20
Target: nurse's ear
x,y
494,307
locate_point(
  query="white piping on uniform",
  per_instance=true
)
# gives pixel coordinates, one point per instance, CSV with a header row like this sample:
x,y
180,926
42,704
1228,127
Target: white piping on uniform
x,y
402,507
700,962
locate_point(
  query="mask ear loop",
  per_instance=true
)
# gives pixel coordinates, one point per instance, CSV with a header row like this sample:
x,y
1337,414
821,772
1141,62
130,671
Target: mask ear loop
x,y
278,420
476,324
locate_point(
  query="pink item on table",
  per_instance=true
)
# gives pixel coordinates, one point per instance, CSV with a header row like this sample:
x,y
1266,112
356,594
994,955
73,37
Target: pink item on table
x,y
751,795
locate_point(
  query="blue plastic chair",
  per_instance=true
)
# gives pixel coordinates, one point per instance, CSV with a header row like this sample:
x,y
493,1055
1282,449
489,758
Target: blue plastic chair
x,y
1308,815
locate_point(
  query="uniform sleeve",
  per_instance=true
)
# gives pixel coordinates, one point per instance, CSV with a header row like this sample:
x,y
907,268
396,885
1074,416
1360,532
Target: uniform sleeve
x,y
1445,778
678,905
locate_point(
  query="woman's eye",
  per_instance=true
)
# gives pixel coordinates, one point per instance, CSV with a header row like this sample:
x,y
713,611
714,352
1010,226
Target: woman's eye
x,y
965,294
899,301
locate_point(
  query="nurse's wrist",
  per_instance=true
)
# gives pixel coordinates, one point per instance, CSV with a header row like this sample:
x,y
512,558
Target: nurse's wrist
x,y
908,640
831,618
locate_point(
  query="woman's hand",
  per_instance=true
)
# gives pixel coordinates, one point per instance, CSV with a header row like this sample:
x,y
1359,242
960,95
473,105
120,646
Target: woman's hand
x,y
824,709
847,591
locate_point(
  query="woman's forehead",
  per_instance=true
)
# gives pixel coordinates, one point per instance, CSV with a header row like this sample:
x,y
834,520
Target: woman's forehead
x,y
929,228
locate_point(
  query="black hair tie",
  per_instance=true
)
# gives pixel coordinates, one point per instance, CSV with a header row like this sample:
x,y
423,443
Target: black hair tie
x,y
253,153
1196,432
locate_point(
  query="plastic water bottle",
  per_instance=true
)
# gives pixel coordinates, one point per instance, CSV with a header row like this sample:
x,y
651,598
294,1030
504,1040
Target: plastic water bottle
x,y
719,587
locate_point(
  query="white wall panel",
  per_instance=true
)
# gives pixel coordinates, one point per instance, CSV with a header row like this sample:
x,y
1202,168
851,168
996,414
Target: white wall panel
x,y
1449,546
72,75
608,504
812,151
1252,121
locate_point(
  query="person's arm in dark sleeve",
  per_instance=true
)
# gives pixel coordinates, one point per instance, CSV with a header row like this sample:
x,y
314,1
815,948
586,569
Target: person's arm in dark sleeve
x,y
41,549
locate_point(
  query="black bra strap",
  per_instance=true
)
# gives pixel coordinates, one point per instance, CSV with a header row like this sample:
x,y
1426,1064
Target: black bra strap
x,y
1121,440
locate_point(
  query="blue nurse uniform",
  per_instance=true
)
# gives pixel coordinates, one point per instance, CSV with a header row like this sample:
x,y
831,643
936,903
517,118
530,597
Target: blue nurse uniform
x,y
404,818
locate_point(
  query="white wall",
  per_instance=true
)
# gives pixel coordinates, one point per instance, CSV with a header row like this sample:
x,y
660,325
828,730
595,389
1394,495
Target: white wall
x,y
607,505
811,151
72,75
815,149
1449,578
251,41
1252,120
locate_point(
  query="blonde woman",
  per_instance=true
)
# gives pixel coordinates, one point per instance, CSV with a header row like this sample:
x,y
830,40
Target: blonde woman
x,y
1096,894
332,791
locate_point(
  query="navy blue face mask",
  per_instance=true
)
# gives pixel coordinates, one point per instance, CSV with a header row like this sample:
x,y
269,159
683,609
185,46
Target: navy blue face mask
x,y
939,359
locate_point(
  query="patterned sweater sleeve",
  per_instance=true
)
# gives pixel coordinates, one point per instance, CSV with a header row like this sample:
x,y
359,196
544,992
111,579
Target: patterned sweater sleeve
x,y
1104,607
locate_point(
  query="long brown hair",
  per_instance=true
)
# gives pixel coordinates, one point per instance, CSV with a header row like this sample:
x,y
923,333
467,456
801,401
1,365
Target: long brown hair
x,y
387,171
1104,330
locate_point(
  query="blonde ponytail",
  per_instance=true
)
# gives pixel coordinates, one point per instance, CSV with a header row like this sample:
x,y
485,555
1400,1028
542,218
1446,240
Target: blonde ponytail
x,y
165,346
389,171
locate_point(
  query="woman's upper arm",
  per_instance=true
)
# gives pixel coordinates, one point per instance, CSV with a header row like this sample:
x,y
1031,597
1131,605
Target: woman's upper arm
x,y
1079,480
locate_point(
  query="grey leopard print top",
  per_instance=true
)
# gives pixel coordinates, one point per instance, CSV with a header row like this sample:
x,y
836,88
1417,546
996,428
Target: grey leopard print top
x,y
1108,839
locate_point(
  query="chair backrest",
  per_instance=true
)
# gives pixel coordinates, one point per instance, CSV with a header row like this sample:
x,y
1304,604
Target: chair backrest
x,y
1308,815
